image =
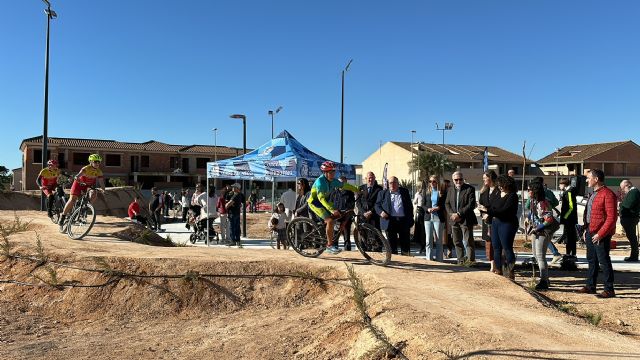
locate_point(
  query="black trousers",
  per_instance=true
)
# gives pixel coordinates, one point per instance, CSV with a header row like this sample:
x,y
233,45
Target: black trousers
x,y
398,234
346,234
571,237
629,226
157,216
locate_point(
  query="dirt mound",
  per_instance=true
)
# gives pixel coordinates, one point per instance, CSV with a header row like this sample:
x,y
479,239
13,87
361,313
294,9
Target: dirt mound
x,y
14,200
139,234
152,304
114,202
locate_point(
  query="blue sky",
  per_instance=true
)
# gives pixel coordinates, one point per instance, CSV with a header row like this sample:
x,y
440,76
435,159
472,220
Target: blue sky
x,y
551,72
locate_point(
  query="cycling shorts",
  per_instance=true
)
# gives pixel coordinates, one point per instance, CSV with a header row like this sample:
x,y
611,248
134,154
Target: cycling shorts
x,y
49,190
77,189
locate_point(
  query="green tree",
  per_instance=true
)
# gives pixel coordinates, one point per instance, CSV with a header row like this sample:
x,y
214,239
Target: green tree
x,y
117,182
5,178
430,163
407,184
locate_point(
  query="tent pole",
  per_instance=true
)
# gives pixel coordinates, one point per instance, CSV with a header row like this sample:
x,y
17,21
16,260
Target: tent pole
x,y
208,189
273,194
208,225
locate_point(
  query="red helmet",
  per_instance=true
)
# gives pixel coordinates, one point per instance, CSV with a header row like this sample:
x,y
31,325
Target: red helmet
x,y
327,166
52,163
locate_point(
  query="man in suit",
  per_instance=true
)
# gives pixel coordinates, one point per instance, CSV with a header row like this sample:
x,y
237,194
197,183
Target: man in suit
x,y
461,200
629,214
367,200
396,215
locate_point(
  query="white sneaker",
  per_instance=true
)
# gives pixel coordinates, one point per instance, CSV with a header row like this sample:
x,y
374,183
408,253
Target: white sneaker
x,y
556,259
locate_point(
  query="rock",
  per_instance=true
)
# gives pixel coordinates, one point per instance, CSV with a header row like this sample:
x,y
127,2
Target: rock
x,y
621,323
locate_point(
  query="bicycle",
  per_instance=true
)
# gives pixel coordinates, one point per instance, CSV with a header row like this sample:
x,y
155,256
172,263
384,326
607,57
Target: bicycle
x,y
83,216
308,238
59,201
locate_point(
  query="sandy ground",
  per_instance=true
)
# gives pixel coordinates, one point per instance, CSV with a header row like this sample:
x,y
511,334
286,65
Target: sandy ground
x,y
269,304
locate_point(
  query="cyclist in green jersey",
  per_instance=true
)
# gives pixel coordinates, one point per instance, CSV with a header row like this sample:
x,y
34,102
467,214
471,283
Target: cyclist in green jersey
x,y
320,203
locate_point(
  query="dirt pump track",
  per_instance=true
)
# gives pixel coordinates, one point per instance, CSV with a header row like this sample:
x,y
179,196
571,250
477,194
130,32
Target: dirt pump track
x,y
270,304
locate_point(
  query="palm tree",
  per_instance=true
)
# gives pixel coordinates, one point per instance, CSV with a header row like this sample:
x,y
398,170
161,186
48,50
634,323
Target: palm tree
x,y
431,163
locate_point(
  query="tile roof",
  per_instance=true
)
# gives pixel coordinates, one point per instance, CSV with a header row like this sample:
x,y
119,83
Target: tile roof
x,y
467,153
579,153
148,146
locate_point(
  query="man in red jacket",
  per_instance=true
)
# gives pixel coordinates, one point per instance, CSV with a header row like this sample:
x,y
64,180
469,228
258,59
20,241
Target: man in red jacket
x,y
600,218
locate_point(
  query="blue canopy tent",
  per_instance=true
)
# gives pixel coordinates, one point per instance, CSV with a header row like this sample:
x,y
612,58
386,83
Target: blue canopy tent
x,y
282,158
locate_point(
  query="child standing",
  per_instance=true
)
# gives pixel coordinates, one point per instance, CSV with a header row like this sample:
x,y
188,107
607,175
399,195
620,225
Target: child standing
x,y
278,224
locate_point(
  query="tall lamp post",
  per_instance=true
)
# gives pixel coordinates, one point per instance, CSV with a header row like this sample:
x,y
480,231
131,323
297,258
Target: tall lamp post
x,y
413,162
272,113
346,68
447,127
244,151
215,144
45,136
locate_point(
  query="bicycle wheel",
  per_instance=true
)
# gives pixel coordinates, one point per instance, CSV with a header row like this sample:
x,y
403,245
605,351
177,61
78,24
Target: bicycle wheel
x,y
81,221
305,237
372,244
55,212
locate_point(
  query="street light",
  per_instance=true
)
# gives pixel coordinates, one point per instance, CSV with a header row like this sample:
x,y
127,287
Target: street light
x,y
557,154
413,162
447,127
271,112
45,137
346,68
215,144
244,151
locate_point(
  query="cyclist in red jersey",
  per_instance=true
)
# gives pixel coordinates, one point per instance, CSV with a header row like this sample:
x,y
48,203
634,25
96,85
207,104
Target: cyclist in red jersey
x,y
47,181
90,175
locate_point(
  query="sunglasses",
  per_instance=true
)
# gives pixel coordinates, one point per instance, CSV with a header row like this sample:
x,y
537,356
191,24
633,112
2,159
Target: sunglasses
x,y
456,180
434,181
96,162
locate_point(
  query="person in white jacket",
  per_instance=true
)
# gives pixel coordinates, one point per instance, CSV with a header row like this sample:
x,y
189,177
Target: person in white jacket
x,y
288,198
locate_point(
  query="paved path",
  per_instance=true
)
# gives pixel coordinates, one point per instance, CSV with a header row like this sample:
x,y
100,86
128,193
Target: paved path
x,y
180,234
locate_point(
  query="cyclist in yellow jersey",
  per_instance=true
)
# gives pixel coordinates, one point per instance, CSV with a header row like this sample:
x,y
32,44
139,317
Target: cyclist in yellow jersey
x,y
320,203
47,181
90,175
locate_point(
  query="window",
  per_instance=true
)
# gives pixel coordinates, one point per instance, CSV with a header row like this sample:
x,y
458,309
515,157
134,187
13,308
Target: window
x,y
112,160
201,163
144,161
81,158
37,156
173,163
62,161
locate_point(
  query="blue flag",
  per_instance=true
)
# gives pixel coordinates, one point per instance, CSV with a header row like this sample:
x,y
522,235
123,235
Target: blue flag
x,y
485,160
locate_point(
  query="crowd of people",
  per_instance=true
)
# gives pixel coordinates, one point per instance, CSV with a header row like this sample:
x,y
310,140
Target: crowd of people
x,y
443,216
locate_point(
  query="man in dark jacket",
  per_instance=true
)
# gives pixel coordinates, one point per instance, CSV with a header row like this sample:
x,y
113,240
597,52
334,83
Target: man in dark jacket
x,y
396,215
461,200
155,208
600,218
367,200
345,200
569,215
234,207
629,213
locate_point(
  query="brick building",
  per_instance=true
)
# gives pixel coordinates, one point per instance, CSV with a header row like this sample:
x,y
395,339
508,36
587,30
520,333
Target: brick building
x,y
619,160
147,164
